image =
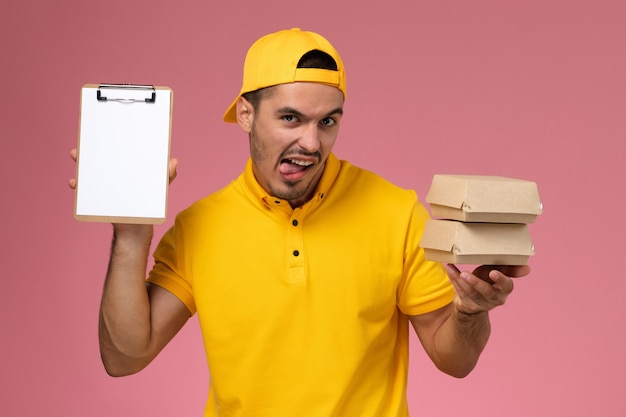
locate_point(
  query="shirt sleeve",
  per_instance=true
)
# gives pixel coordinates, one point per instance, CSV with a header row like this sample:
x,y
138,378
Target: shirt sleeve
x,y
424,286
169,267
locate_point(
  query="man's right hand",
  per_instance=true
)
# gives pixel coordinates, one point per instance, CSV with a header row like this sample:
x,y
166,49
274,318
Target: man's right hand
x,y
136,320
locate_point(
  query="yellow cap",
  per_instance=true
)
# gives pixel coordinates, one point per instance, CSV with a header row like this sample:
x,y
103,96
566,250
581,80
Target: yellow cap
x,y
273,60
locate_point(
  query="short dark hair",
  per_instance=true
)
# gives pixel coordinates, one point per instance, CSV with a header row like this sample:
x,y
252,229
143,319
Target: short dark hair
x,y
317,59
312,59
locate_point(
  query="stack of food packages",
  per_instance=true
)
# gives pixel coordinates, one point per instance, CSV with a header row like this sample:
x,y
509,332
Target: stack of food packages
x,y
480,220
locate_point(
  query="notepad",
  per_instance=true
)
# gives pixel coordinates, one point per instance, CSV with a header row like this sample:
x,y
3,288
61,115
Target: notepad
x,y
123,153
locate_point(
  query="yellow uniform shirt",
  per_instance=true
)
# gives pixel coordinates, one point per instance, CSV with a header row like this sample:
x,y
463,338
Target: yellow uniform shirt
x,y
303,312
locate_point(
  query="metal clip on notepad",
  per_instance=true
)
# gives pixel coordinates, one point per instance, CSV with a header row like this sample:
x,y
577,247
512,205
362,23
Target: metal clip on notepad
x,y
126,93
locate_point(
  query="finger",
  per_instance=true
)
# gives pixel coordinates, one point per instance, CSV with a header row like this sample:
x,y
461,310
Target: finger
x,y
483,271
172,168
72,181
470,286
468,299
475,294
502,282
477,288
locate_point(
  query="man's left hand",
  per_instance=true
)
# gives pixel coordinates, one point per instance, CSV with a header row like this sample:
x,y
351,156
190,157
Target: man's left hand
x,y
486,287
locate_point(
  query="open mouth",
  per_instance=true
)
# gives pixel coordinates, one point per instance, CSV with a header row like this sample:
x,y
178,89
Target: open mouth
x,y
293,166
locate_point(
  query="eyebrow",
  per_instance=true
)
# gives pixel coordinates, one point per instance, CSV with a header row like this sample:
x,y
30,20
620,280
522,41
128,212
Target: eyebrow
x,y
291,110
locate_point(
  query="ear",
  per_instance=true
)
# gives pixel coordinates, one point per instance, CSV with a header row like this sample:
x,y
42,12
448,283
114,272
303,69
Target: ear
x,y
245,114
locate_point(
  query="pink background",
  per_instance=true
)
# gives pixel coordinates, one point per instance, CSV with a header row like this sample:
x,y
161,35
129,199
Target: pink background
x,y
530,89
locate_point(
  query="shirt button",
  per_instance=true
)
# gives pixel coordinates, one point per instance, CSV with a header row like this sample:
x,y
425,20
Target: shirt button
x,y
295,222
296,253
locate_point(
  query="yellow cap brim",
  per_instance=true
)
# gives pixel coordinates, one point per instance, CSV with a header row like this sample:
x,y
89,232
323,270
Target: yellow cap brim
x,y
231,113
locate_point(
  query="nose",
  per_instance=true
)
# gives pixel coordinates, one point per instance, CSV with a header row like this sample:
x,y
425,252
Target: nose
x,y
309,138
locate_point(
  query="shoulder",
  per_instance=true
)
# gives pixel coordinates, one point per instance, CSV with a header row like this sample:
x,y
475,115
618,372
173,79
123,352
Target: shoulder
x,y
367,185
371,198
220,201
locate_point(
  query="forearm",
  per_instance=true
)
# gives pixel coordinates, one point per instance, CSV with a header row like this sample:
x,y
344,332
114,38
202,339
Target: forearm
x,y
124,323
454,336
459,342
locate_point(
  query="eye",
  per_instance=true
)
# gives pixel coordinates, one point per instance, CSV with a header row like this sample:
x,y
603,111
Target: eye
x,y
328,122
289,118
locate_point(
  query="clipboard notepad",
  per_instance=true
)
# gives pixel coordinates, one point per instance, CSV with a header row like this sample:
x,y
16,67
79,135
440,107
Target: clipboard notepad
x,y
123,153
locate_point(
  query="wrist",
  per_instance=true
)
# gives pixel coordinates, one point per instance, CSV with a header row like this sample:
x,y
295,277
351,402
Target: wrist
x,y
132,235
463,315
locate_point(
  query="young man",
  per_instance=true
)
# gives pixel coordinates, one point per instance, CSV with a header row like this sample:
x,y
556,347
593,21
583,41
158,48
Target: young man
x,y
304,272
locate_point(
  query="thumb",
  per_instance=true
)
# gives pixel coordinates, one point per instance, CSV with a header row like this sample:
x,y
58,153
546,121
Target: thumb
x,y
172,169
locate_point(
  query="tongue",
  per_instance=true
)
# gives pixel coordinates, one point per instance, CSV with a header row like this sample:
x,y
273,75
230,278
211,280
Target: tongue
x,y
287,168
